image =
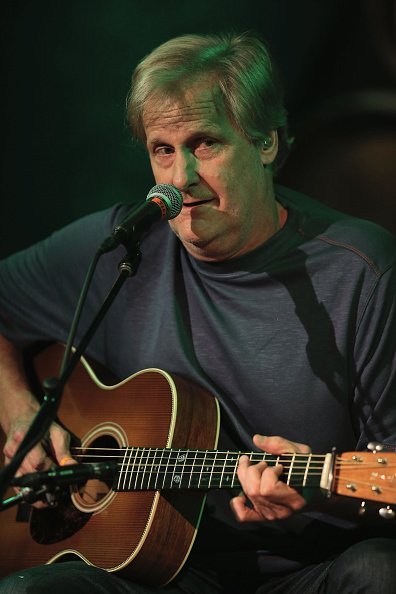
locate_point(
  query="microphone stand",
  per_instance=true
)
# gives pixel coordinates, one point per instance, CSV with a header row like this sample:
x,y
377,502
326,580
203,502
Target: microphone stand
x,y
28,495
53,386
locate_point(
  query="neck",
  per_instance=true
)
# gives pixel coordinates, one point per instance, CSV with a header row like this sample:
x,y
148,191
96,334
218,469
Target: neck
x,y
281,215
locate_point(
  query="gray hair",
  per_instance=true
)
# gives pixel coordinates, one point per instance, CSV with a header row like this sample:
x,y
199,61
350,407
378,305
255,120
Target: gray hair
x,y
244,74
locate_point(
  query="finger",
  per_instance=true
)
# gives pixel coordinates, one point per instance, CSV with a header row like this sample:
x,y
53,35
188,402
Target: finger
x,y
248,471
36,460
39,459
24,469
67,460
60,440
244,511
260,481
277,492
278,445
270,479
266,489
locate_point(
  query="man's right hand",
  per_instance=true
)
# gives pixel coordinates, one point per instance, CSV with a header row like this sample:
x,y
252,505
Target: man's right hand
x,y
18,408
52,450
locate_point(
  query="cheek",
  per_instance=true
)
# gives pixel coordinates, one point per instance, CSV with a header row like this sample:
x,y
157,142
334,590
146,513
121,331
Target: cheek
x,y
158,173
220,180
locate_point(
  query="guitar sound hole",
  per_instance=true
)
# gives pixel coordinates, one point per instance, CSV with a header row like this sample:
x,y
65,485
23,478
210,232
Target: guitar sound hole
x,y
91,495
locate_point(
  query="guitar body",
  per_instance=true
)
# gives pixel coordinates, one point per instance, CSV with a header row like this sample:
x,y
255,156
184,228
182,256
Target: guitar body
x,y
145,535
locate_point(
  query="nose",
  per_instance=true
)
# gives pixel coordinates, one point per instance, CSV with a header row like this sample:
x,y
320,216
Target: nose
x,y
185,173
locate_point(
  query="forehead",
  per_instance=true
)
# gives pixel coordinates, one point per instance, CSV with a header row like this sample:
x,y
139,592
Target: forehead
x,y
199,107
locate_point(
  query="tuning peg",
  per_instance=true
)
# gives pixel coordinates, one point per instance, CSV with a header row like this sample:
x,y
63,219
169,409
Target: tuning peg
x,y
375,447
387,512
362,508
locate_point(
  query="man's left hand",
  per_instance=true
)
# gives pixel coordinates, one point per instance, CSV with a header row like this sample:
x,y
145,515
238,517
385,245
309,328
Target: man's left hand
x,y
265,496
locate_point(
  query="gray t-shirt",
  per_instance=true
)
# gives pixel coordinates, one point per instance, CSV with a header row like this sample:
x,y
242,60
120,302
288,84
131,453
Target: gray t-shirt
x,y
296,338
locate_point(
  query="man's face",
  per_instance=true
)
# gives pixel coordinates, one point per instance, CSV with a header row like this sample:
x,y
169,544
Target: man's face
x,y
228,207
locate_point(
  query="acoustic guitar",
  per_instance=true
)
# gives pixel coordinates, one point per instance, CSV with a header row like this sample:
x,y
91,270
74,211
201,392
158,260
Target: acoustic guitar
x,y
162,432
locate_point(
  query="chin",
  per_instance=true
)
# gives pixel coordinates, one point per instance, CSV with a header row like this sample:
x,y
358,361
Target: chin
x,y
188,237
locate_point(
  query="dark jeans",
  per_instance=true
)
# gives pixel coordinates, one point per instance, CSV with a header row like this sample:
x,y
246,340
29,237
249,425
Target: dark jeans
x,y
366,567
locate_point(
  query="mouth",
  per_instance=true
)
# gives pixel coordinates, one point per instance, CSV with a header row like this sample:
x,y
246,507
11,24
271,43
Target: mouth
x,y
193,203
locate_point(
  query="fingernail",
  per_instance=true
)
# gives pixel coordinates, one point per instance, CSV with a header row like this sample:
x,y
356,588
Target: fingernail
x,y
66,460
261,437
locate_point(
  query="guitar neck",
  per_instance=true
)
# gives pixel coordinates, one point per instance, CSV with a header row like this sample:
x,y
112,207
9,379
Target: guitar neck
x,y
156,469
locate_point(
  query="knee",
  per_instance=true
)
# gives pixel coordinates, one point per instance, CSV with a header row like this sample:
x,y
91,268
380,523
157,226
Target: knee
x,y
368,566
61,578
13,584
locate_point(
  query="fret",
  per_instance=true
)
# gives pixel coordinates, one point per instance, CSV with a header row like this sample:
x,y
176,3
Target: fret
x,y
144,473
192,469
201,472
166,469
306,472
153,469
137,462
235,480
209,463
141,469
210,478
303,471
159,476
185,455
121,471
222,472
135,475
290,472
129,471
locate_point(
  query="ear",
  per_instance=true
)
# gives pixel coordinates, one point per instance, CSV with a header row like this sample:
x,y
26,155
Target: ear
x,y
269,148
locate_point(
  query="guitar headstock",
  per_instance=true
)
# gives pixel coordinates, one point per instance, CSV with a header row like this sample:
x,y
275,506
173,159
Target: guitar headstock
x,y
368,476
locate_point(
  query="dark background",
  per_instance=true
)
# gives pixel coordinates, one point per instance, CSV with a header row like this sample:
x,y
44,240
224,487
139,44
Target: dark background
x,y
65,75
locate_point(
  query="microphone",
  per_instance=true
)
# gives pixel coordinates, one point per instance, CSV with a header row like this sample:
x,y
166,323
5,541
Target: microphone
x,y
163,202
68,475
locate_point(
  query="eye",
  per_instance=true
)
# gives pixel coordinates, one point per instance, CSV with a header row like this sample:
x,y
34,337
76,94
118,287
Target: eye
x,y
206,143
206,147
163,150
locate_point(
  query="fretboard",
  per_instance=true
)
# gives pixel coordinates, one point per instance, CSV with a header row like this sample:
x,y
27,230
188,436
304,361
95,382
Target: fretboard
x,y
156,469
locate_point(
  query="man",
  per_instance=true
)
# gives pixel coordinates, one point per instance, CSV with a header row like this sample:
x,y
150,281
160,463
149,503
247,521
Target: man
x,y
282,308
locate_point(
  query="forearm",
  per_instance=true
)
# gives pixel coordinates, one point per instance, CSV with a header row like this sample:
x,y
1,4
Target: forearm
x,y
15,395
18,408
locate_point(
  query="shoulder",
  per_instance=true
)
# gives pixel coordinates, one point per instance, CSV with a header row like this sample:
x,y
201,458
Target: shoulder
x,y
67,250
360,239
94,225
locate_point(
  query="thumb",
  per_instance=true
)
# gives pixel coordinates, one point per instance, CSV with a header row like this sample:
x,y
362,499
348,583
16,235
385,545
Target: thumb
x,y
60,441
67,460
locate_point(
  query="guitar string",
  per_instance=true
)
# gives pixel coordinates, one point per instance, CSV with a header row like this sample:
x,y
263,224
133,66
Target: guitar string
x,y
169,467
177,452
136,473
229,463
135,467
143,455
357,483
293,459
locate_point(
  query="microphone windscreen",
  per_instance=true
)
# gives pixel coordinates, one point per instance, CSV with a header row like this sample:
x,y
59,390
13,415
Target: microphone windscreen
x,y
170,195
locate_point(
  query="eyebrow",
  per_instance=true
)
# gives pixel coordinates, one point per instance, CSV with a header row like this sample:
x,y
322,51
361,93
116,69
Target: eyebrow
x,y
209,130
